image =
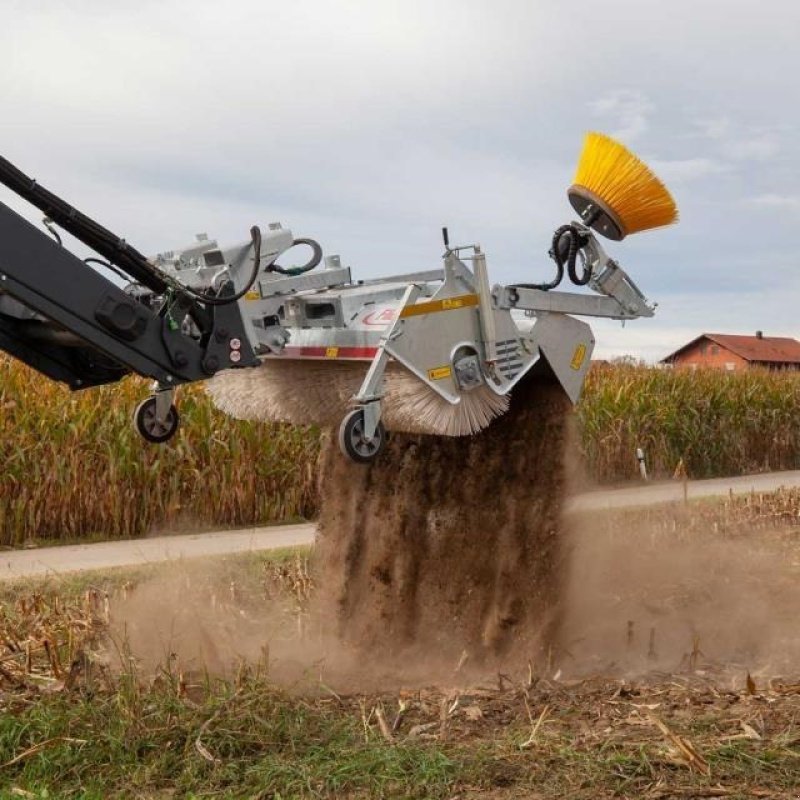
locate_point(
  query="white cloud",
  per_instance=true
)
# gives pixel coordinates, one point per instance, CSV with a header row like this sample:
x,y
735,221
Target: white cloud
x,y
627,110
738,141
758,147
714,128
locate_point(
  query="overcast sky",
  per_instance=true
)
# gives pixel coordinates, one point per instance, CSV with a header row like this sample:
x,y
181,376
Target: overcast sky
x,y
369,125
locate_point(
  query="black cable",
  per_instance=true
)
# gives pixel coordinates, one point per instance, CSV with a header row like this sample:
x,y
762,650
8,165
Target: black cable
x,y
316,257
255,234
107,265
48,223
576,241
545,287
91,233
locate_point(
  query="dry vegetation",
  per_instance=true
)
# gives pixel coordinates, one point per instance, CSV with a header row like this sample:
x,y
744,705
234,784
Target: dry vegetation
x,y
717,423
82,726
73,467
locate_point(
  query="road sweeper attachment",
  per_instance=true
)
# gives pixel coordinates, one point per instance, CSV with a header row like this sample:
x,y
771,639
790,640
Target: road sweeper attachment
x,y
434,352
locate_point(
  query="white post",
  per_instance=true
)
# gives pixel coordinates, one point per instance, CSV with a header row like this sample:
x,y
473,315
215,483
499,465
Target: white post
x,y
642,464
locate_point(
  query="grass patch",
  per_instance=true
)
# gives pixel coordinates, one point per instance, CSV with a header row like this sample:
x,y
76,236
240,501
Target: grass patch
x,y
252,741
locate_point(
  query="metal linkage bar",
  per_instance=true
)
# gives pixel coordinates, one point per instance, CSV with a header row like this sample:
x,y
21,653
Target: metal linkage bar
x,y
524,299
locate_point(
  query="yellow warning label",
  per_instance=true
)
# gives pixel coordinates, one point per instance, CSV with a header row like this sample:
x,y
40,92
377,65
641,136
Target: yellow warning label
x,y
578,356
439,373
446,304
253,295
331,352
452,302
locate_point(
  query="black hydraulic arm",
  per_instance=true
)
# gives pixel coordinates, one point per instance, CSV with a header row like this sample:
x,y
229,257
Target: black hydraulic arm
x,y
91,233
85,330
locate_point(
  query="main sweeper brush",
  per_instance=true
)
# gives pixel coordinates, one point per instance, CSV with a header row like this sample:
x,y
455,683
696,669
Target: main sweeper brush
x,y
321,393
435,352
615,193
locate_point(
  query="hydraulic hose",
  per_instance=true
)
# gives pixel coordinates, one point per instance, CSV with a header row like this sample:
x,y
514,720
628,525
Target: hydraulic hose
x,y
255,235
569,259
316,257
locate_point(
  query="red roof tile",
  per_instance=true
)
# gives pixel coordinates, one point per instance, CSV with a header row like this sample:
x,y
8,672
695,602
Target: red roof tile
x,y
767,349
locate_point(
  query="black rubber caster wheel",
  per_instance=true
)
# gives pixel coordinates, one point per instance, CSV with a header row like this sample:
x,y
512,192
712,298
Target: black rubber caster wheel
x,y
149,428
354,444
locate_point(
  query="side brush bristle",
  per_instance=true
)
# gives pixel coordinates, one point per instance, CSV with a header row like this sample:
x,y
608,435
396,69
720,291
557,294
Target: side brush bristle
x,y
626,185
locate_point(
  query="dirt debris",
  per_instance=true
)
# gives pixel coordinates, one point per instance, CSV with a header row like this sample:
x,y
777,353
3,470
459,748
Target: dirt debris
x,y
448,549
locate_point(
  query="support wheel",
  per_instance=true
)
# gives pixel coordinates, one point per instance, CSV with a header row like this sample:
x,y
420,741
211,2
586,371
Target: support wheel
x,y
354,444
148,426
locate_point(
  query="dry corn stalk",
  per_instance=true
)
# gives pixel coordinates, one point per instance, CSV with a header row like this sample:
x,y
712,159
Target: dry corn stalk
x,y
683,751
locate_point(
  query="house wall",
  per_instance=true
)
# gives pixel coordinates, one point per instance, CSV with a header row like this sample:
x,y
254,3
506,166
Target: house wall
x,y
706,353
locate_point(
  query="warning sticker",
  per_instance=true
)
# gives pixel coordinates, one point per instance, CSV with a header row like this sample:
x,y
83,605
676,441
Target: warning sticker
x,y
578,357
439,373
452,302
253,295
331,352
446,304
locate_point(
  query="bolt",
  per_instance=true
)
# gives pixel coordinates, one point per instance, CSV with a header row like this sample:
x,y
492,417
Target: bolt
x,y
210,364
236,344
236,356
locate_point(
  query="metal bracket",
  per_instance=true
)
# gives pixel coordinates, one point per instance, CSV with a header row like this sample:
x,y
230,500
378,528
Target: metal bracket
x,y
165,396
370,393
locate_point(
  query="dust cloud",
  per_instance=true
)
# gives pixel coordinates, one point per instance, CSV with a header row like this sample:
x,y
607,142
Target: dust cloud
x,y
450,558
444,553
644,596
193,618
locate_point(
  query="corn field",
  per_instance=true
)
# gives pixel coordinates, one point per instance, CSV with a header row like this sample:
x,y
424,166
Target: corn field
x,y
716,423
72,466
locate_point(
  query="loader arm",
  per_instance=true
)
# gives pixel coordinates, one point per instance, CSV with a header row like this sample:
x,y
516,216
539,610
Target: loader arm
x,y
74,325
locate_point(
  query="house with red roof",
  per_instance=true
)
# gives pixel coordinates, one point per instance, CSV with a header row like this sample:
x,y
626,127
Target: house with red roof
x,y
733,353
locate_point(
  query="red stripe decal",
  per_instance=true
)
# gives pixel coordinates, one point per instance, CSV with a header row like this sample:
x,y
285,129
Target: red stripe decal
x,y
362,353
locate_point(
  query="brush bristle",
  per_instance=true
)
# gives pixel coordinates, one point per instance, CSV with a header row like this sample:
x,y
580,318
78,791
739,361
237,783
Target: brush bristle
x,y
625,184
319,393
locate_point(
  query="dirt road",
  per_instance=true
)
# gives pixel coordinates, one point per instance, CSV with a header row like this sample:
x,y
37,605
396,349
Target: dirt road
x,y
106,555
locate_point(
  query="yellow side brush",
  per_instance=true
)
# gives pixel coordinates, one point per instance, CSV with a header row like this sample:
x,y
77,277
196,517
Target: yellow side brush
x,y
617,194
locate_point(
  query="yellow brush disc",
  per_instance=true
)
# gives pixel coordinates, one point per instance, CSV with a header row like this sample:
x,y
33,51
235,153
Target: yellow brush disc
x,y
616,193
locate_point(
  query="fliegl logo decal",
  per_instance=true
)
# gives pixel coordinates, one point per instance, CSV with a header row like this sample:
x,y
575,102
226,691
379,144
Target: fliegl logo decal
x,y
578,357
380,318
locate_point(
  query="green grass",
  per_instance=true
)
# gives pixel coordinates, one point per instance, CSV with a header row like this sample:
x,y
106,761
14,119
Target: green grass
x,y
266,744
263,743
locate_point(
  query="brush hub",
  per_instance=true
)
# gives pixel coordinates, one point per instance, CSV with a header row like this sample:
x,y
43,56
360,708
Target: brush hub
x,y
596,213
